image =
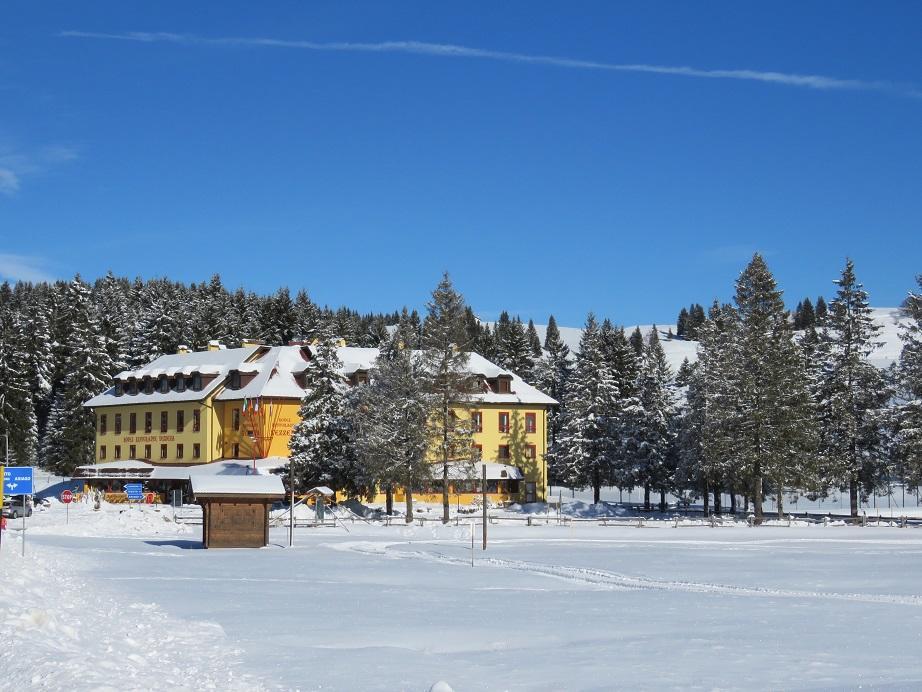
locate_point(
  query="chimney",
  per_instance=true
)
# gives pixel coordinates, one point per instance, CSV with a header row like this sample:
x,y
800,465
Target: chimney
x,y
183,349
250,343
215,345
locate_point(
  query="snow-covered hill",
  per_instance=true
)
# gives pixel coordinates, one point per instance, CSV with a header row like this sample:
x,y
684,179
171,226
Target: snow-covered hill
x,y
677,350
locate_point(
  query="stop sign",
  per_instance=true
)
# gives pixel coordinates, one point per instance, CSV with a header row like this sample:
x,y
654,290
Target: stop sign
x,y
67,497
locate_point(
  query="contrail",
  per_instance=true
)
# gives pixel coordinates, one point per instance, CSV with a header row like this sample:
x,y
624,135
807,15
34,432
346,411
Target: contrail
x,y
808,81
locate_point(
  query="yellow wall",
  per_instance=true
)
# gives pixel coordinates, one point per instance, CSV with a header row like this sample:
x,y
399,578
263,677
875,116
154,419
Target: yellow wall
x,y
171,438
278,418
534,470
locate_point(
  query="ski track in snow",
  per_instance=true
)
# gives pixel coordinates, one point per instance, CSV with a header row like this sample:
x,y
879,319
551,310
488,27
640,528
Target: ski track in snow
x,y
614,581
57,631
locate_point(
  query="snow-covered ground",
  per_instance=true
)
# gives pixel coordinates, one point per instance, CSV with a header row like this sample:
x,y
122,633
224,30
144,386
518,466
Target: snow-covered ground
x,y
125,599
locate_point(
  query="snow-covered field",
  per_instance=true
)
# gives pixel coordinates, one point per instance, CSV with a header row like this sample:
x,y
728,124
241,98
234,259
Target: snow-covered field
x,y
125,599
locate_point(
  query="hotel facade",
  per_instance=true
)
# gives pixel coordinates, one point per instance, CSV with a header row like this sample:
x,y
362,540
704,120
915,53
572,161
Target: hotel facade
x,y
201,407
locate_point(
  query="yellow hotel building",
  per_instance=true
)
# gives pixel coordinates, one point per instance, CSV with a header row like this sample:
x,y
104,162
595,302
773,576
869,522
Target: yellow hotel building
x,y
200,407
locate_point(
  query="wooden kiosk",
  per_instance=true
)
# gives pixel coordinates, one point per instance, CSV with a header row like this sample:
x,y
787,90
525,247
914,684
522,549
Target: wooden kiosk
x,y
235,509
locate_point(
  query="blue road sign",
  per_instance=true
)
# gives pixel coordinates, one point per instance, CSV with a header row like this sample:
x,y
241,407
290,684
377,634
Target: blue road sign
x,y
134,491
18,480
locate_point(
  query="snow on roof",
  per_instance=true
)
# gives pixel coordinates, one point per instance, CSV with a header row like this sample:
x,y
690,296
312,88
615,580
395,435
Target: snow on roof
x,y
216,363
227,467
122,464
275,368
205,485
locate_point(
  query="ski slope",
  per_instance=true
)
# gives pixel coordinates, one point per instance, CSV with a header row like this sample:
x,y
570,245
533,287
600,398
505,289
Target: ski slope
x,y
677,350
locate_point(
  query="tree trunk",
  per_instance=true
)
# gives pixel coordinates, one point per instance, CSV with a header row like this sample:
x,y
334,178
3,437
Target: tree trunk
x,y
757,495
707,500
445,460
732,502
745,504
853,496
596,486
389,500
646,496
717,507
409,517
780,495
662,500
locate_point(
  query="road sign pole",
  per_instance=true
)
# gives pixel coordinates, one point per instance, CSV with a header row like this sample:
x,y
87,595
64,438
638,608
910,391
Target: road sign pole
x,y
485,507
24,525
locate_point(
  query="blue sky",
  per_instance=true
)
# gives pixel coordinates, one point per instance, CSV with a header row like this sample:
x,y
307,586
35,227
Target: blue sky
x,y
625,158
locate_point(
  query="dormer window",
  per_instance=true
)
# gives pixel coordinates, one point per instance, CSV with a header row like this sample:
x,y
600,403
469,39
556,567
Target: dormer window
x,y
234,379
119,388
164,385
148,385
133,387
197,381
503,384
180,383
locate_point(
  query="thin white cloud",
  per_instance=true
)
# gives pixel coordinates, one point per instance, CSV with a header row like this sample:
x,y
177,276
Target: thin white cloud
x,y
14,166
450,50
9,182
23,268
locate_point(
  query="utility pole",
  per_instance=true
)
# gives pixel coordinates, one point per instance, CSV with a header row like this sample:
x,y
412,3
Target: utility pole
x,y
484,489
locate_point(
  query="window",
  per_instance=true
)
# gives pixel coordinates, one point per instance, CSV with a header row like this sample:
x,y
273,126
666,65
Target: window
x,y
132,452
119,389
118,423
164,385
147,452
132,423
133,387
179,451
148,422
163,451
477,421
236,420
531,422
531,451
504,421
148,385
196,420
103,420
102,453
503,452
197,381
164,421
196,450
236,450
118,451
504,385
180,421
478,451
235,379
180,383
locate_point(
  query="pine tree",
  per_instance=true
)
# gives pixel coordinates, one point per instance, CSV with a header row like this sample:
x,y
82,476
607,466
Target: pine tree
x,y
110,304
773,432
909,411
681,330
71,432
637,342
17,415
534,342
552,373
853,391
389,418
307,322
807,315
444,361
586,449
821,311
322,451
648,431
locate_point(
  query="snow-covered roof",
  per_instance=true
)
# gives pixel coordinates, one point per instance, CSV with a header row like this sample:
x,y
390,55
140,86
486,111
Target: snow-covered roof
x,y
275,376
274,371
207,485
218,363
227,467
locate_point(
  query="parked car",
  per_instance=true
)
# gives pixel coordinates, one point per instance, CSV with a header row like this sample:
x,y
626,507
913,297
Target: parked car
x,y
13,509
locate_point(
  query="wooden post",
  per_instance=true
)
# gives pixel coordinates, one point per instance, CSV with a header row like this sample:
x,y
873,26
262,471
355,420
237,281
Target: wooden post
x,y
484,491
